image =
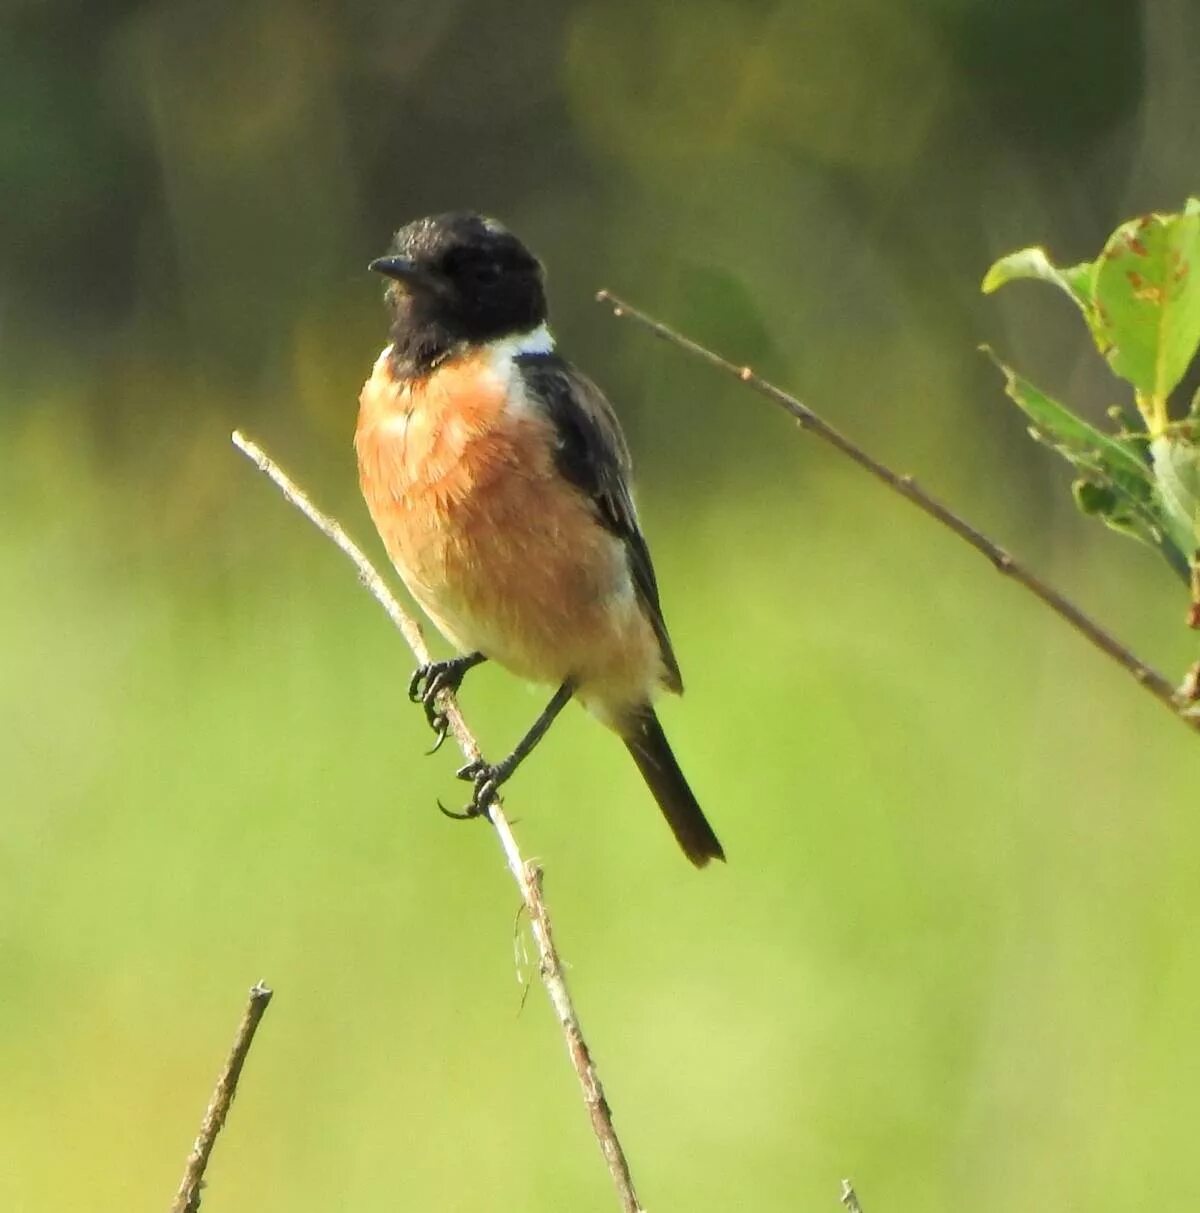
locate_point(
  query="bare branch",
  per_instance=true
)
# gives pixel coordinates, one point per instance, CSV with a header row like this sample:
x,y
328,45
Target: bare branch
x,y
527,875
187,1199
907,487
850,1198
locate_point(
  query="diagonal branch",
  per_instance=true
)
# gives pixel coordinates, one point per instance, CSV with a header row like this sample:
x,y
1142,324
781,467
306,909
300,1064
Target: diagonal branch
x,y
907,487
526,873
187,1199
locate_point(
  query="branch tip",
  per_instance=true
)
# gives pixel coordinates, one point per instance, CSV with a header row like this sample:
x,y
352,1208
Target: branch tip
x,y
187,1198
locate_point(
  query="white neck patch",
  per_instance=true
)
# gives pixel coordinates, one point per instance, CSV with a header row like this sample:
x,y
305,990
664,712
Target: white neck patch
x,y
504,353
536,341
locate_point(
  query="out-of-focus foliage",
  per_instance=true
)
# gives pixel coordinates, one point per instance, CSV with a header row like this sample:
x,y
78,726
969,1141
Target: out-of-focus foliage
x,y
955,951
1141,301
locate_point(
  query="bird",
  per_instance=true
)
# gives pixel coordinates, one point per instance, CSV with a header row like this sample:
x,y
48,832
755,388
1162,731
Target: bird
x,y
498,478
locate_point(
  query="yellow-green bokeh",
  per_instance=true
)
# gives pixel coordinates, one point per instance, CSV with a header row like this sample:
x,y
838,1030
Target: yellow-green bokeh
x,y
954,951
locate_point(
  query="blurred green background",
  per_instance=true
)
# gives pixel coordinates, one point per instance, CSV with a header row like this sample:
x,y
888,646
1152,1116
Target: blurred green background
x,y
955,951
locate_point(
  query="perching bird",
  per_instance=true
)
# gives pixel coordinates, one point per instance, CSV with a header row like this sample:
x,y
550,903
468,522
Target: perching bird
x,y
498,478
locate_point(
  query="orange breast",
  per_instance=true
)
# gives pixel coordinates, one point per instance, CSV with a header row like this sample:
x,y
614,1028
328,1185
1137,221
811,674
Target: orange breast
x,y
502,553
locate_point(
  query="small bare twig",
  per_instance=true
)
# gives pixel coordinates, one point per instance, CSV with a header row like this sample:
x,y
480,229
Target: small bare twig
x,y
187,1199
907,487
527,875
850,1198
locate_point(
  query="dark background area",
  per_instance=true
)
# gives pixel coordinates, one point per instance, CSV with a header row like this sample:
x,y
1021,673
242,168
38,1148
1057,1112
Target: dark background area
x,y
954,951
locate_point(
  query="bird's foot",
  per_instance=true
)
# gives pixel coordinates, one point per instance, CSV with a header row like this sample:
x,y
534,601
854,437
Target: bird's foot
x,y
428,682
487,778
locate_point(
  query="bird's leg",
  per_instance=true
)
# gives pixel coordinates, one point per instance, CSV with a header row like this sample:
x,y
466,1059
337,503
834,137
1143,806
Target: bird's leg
x,y
429,680
487,777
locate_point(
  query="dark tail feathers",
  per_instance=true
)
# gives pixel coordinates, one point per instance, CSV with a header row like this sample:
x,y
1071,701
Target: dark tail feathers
x,y
648,744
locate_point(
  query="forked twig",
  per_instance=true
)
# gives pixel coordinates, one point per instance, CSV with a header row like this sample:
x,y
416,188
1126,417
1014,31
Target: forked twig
x,y
187,1199
907,487
527,874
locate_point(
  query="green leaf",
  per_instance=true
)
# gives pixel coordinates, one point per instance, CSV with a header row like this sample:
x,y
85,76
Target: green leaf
x,y
1033,263
1073,280
1146,295
1177,479
1117,485
1112,507
1082,443
1092,498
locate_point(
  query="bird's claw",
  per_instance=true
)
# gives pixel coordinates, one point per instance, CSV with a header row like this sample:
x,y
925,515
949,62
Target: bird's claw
x,y
427,683
487,780
465,815
440,723
416,684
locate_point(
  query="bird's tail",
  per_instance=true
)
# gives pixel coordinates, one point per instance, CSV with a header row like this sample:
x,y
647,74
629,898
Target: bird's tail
x,y
647,743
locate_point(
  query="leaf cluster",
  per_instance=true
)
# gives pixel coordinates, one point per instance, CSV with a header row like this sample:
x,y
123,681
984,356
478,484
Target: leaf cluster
x,y
1140,300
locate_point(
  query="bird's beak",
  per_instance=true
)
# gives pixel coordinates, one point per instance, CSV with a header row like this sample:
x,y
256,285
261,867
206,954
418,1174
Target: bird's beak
x,y
402,269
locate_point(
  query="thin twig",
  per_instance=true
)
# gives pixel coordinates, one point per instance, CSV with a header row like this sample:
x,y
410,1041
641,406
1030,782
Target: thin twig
x,y
907,487
850,1197
527,875
187,1199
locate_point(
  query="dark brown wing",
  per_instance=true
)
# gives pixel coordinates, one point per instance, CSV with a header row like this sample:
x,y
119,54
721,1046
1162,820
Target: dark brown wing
x,y
593,456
